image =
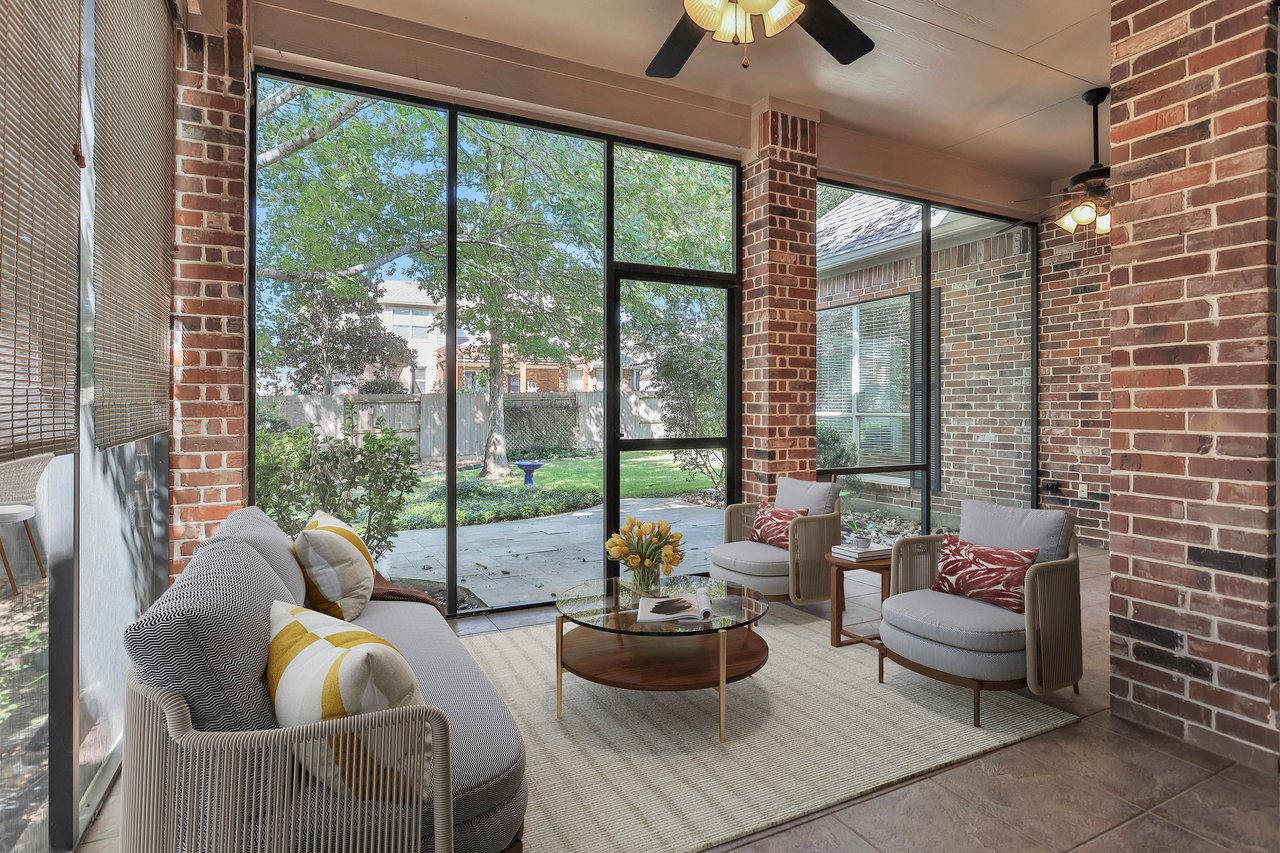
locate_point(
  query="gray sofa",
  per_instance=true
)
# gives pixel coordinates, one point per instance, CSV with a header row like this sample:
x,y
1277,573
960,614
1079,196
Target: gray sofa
x,y
201,732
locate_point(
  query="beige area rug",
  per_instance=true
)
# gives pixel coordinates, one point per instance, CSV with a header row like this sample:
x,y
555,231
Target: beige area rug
x,y
627,770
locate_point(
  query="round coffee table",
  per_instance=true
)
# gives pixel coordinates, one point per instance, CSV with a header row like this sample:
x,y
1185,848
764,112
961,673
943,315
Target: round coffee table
x,y
608,646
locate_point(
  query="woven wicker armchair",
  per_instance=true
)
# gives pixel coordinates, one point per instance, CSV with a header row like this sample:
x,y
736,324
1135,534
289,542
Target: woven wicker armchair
x,y
979,645
800,572
247,792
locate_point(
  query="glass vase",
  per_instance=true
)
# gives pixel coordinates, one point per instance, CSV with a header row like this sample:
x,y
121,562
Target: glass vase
x,y
644,581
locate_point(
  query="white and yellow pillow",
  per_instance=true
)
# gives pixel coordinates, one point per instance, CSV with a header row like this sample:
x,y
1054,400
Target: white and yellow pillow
x,y
321,668
336,566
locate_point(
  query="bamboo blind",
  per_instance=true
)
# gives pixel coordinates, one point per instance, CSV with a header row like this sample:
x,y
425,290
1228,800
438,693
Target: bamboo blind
x,y
39,225
133,218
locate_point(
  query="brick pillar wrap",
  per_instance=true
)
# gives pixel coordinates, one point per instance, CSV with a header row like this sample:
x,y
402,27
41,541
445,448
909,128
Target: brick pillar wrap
x,y
1193,297
780,293
208,450
1075,376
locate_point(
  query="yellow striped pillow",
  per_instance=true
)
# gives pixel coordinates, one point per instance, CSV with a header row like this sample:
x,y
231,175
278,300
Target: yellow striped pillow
x,y
321,668
336,566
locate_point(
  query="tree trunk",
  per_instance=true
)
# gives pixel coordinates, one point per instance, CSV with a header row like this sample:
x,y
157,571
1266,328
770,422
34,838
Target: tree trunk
x,y
496,465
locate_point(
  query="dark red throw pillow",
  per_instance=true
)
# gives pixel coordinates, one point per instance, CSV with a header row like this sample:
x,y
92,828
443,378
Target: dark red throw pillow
x,y
771,524
994,575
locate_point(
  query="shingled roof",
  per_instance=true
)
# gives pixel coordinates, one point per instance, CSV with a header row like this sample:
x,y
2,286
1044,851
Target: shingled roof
x,y
864,220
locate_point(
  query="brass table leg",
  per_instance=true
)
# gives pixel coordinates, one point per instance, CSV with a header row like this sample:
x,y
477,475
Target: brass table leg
x,y
559,665
724,661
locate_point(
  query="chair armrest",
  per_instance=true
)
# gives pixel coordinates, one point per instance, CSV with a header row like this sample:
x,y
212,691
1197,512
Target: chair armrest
x,y
738,519
191,789
1055,653
810,538
914,563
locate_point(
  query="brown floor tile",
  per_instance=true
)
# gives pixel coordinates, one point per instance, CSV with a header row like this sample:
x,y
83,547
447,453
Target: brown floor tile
x,y
1146,834
1115,764
1170,746
926,816
821,835
1055,806
1242,817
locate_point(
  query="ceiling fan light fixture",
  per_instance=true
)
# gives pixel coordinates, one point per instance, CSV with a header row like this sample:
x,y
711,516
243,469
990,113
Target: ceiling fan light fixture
x,y
1085,212
707,13
1102,224
756,7
1067,223
781,15
735,27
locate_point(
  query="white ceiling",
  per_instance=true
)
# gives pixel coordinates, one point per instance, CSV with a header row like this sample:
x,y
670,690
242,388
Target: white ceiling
x,y
992,80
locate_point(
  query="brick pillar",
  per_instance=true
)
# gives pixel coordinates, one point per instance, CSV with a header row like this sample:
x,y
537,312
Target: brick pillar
x,y
1193,295
779,310
208,450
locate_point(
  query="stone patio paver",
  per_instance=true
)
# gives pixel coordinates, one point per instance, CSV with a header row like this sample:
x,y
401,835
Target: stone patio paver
x,y
518,562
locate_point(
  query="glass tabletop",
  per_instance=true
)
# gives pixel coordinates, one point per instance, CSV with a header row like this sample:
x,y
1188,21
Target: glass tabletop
x,y
609,604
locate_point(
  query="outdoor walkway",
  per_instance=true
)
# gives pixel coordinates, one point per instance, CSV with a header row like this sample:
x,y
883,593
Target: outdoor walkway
x,y
518,562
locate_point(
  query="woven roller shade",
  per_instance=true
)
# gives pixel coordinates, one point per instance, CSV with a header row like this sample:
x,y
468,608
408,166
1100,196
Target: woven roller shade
x,y
39,225
133,218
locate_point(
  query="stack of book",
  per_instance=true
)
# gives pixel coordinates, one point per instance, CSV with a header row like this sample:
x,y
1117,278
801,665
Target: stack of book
x,y
877,551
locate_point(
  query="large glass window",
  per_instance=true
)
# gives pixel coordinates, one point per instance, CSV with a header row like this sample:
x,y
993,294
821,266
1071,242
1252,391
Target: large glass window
x,y
433,318
925,336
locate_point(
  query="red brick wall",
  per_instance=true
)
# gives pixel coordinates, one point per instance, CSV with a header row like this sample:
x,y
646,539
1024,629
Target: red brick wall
x,y
1193,297
779,348
985,410
1075,376
208,451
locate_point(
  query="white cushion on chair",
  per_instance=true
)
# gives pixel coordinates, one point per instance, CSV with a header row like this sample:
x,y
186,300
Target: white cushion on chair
x,y
966,663
818,498
751,558
1013,527
779,585
14,513
964,623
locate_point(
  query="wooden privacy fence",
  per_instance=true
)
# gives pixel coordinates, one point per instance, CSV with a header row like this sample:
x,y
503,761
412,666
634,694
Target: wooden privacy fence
x,y
536,422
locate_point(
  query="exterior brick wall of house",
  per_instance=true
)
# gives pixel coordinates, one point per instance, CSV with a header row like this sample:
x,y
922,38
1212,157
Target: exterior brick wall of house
x,y
1193,308
208,456
1075,377
985,415
779,317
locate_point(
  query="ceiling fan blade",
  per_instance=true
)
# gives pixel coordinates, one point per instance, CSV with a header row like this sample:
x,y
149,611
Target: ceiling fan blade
x,y
677,49
1036,218
1043,197
838,35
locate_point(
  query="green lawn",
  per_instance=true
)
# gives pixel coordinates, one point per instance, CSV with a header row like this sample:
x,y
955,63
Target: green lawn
x,y
562,485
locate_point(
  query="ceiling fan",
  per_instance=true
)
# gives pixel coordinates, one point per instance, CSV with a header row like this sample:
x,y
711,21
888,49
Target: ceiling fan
x,y
1087,198
732,22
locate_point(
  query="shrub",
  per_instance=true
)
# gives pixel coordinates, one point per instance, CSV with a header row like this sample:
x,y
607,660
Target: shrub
x,y
834,449
382,386
486,501
365,484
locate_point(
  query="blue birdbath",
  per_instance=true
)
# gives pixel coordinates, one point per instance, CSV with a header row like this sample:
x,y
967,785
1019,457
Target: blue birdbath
x,y
528,468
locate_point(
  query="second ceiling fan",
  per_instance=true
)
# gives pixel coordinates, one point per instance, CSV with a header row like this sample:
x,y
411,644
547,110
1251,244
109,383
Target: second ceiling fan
x,y
733,22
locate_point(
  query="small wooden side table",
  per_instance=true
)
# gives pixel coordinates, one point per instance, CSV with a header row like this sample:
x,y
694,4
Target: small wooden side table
x,y
840,635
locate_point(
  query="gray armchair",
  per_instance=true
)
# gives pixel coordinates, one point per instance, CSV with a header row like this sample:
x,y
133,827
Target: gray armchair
x,y
799,572
978,645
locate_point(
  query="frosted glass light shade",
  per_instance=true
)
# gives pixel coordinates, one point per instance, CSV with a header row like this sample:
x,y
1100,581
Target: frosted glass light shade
x,y
735,23
1103,223
756,7
1067,223
706,13
781,15
1085,212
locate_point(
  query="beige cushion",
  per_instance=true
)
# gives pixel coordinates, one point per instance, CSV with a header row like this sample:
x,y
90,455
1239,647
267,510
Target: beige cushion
x,y
336,565
321,668
818,498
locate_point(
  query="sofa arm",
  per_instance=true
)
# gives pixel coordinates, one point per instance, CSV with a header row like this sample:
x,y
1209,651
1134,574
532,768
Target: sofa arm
x,y
811,537
1055,653
185,789
914,563
738,519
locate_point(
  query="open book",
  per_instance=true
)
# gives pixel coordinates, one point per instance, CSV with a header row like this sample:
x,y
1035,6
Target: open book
x,y
692,608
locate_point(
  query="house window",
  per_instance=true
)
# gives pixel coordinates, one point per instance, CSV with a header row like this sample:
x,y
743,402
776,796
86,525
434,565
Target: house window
x,y
412,324
420,380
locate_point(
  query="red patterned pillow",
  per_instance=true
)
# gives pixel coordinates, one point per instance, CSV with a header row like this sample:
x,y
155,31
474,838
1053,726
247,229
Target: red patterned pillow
x,y
993,575
771,524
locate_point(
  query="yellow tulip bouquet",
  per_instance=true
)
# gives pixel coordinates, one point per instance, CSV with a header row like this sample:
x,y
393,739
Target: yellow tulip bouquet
x,y
646,548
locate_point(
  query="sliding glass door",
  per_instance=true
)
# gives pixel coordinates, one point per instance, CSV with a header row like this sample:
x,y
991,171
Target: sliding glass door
x,y
523,330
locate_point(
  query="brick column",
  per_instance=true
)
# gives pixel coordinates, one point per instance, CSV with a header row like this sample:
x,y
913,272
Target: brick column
x,y
1193,295
779,306
208,450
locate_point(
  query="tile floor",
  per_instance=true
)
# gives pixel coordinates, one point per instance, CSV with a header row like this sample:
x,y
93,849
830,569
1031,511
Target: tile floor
x,y
1100,785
